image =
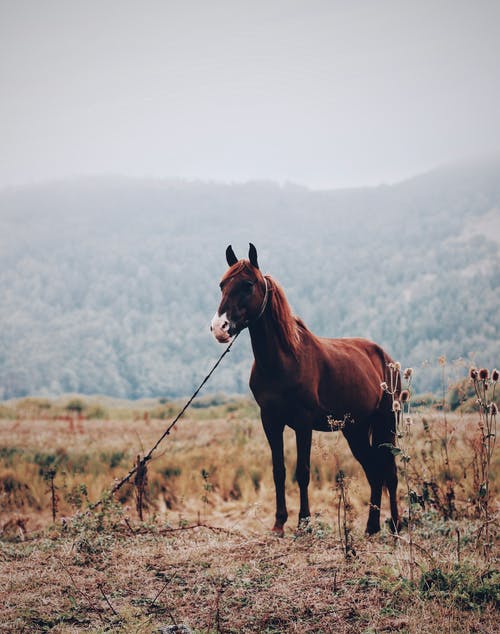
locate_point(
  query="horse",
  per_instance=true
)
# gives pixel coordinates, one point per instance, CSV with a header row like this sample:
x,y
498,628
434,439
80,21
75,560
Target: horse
x,y
310,383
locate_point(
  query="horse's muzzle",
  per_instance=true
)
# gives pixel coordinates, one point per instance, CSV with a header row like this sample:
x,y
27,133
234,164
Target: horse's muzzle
x,y
221,328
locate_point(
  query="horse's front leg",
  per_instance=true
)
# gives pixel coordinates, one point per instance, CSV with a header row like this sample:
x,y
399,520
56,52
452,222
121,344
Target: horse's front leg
x,y
303,438
274,435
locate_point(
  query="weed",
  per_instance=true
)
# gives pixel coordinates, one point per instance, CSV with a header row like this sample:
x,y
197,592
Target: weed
x,y
14,493
484,386
344,523
76,496
463,585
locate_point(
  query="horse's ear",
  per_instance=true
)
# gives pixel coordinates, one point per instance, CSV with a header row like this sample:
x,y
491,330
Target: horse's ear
x,y
230,257
252,256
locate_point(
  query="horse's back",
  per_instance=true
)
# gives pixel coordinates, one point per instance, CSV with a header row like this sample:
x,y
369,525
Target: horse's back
x,y
356,350
352,370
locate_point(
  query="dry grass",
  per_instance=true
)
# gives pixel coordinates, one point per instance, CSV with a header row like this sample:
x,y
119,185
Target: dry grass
x,y
107,571
231,582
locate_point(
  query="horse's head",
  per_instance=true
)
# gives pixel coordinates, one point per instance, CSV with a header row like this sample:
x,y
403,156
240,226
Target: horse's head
x,y
244,296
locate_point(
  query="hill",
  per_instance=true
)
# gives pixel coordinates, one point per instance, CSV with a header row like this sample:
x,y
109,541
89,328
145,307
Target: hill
x,y
108,284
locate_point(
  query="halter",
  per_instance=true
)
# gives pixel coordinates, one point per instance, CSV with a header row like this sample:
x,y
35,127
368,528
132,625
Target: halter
x,y
262,308
264,301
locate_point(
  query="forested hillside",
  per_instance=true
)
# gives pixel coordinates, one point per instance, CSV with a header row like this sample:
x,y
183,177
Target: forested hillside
x,y
108,285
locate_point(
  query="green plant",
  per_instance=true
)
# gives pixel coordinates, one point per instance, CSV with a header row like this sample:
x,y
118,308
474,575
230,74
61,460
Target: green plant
x,y
460,393
464,585
75,405
76,496
97,412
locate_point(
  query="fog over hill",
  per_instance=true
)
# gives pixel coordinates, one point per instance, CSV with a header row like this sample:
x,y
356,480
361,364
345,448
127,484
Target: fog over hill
x,y
108,284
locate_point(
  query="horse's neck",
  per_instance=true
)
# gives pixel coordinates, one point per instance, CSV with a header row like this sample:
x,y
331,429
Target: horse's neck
x,y
266,344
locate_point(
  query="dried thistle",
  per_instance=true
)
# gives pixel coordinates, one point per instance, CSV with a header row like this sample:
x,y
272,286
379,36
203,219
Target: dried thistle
x,y
495,375
407,374
473,374
484,374
335,424
405,396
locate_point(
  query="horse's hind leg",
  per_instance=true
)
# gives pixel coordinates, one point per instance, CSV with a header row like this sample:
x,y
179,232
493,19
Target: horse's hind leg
x,y
364,453
384,433
391,482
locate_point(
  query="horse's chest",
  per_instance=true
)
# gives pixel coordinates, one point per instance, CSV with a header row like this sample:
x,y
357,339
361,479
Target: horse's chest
x,y
290,398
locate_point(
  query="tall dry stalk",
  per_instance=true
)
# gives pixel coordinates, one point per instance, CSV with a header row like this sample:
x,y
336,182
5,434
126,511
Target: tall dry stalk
x,y
49,476
343,515
445,444
401,407
140,483
484,387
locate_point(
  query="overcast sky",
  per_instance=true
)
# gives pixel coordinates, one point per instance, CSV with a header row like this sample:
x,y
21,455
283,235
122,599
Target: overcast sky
x,y
321,93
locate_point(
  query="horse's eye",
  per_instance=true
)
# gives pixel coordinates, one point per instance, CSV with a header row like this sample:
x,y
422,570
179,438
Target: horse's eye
x,y
248,285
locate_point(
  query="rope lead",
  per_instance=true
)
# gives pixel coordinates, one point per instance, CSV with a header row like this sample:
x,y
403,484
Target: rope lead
x,y
148,456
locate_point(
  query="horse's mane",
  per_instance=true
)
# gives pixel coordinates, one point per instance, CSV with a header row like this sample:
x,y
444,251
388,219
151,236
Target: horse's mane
x,y
288,327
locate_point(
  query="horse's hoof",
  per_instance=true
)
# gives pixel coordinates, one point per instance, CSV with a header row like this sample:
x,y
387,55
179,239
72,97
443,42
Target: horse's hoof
x,y
278,531
372,530
304,526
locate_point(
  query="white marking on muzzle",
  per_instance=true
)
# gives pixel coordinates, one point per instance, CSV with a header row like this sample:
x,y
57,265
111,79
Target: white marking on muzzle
x,y
220,328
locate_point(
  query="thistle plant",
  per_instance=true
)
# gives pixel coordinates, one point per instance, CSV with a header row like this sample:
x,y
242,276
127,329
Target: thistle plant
x,y
484,386
401,407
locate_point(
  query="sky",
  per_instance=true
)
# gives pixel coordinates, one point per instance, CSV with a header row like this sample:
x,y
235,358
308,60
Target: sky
x,y
325,94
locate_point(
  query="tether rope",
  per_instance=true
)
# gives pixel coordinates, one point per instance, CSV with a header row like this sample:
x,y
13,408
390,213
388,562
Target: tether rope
x,y
167,431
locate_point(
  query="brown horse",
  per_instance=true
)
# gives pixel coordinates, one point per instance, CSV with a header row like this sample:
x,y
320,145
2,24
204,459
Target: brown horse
x,y
306,382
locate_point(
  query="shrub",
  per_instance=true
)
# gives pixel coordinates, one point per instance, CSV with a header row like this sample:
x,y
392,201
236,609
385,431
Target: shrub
x,y
97,412
460,393
75,405
14,493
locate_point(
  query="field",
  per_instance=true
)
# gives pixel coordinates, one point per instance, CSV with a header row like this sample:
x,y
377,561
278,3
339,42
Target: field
x,y
203,555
